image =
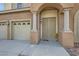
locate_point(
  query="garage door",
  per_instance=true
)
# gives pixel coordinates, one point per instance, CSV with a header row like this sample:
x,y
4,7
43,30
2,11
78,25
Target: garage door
x,y
21,30
3,30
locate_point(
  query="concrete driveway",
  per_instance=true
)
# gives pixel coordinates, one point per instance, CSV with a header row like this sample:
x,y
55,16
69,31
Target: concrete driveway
x,y
23,48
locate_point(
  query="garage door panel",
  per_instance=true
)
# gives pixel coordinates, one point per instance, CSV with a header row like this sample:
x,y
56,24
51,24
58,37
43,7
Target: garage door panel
x,y
3,30
21,30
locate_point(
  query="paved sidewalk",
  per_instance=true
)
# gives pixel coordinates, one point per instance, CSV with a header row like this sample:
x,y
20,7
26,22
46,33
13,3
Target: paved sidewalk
x,y
73,51
23,48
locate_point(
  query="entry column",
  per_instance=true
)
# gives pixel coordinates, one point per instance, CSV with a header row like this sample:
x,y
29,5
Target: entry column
x,y
66,20
34,32
67,35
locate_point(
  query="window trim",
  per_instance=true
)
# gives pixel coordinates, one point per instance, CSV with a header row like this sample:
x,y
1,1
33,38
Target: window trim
x,y
19,5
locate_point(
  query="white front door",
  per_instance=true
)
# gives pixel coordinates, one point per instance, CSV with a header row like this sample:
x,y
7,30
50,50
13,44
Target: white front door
x,y
3,30
48,28
21,30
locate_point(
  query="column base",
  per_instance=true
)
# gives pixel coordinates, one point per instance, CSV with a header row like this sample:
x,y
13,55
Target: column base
x,y
34,37
67,39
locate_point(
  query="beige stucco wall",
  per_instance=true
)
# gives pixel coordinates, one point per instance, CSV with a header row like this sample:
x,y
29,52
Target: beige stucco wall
x,y
17,15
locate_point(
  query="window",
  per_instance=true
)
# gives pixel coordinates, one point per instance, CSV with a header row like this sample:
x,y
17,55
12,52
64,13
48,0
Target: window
x,y
19,23
24,23
19,5
28,23
13,5
14,23
26,4
1,6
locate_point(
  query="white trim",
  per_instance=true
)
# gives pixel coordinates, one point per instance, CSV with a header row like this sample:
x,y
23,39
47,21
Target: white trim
x,y
41,29
10,29
20,19
56,24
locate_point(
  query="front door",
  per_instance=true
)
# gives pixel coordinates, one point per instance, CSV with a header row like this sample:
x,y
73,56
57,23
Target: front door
x,y
48,28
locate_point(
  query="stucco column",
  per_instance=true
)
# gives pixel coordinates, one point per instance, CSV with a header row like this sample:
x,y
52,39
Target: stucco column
x,y
66,20
34,29
34,33
67,37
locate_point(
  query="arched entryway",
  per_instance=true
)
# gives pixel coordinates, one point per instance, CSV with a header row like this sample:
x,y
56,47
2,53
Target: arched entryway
x,y
62,30
49,21
76,27
49,24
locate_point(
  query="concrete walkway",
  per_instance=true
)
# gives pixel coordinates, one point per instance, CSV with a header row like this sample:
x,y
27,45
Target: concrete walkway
x,y
23,48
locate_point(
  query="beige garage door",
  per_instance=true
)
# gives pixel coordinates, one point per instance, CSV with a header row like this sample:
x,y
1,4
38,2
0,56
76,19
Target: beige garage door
x,y
49,28
21,30
3,30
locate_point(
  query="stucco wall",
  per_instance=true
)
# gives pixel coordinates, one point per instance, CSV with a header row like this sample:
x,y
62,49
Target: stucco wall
x,y
17,15
72,15
60,22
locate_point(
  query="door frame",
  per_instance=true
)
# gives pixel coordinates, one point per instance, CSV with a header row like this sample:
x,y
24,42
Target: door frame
x,y
56,25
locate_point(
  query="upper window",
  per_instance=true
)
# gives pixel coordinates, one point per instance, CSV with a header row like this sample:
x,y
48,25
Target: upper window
x,y
1,7
19,5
